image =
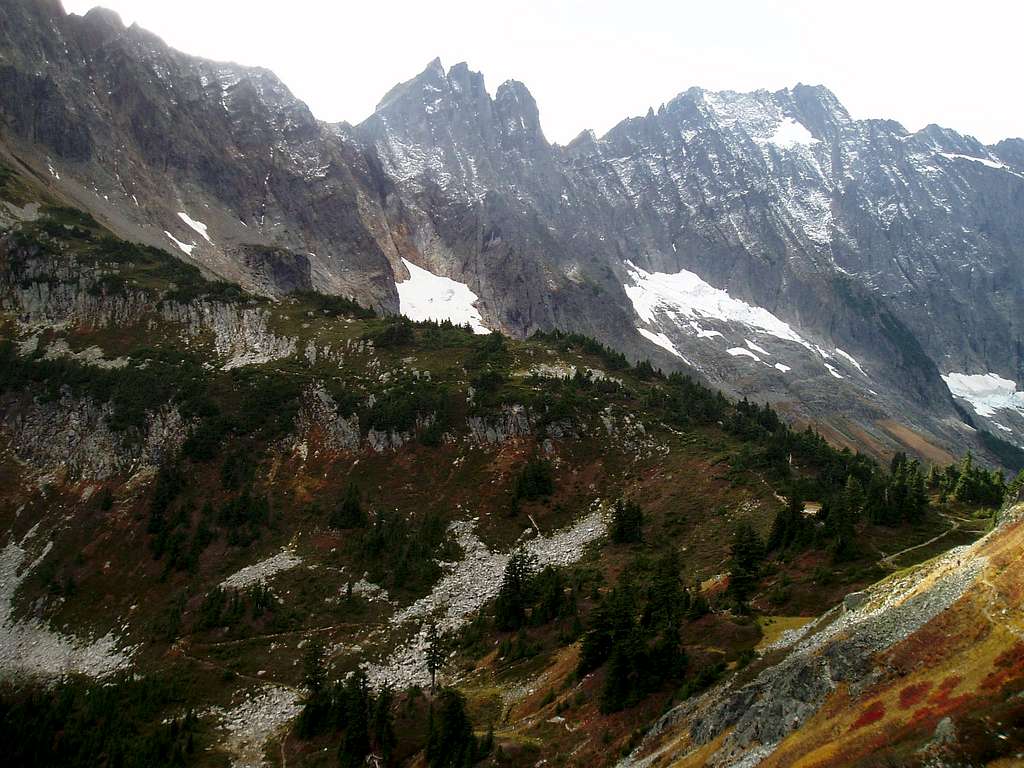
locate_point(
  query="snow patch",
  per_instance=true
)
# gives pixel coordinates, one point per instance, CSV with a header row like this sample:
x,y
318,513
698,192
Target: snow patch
x,y
743,352
987,392
783,368
706,334
983,160
756,348
426,296
685,296
663,341
198,226
186,249
850,359
832,370
789,133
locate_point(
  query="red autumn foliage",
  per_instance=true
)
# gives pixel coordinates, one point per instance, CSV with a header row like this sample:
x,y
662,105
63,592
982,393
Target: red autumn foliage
x,y
914,694
874,713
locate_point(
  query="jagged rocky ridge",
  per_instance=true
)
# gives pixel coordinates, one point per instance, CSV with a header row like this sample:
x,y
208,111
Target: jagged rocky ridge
x,y
768,241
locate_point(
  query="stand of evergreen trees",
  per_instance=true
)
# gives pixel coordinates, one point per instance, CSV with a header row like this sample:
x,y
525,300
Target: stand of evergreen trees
x,y
400,551
969,484
634,633
121,723
451,742
528,597
363,724
363,718
180,532
536,480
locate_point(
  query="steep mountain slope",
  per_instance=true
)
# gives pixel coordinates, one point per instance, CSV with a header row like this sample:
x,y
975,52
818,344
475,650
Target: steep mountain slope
x,y
766,241
198,485
922,669
218,160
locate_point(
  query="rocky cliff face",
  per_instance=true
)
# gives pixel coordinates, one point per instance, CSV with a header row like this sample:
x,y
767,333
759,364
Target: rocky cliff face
x,y
767,241
217,162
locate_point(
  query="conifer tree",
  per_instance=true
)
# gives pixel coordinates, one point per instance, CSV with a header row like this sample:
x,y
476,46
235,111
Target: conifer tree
x,y
1015,489
746,555
349,512
451,743
382,722
436,653
510,605
627,522
355,745
787,528
616,689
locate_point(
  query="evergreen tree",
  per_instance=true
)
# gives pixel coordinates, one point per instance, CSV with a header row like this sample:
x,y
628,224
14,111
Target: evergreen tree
x,y
839,526
451,743
513,596
698,603
666,597
917,495
1015,490
349,513
789,525
627,522
436,653
854,494
316,705
610,623
550,601
876,505
615,693
355,745
746,556
382,722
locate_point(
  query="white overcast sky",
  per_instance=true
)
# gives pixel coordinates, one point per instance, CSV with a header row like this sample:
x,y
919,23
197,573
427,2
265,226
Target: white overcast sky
x,y
591,63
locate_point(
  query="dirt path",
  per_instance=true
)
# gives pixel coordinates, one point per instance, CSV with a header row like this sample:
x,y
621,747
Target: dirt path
x,y
888,561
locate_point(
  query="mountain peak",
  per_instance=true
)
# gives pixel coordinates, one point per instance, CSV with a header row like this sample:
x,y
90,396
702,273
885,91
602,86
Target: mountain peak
x,y
519,116
105,17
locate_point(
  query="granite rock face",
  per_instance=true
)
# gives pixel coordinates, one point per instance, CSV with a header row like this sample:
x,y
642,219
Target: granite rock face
x,y
766,241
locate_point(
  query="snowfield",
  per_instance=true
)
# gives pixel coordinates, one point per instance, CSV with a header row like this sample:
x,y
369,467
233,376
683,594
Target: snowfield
x,y
987,392
684,296
426,296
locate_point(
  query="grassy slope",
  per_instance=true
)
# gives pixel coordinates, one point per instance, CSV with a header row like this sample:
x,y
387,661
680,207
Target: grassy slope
x,y
966,665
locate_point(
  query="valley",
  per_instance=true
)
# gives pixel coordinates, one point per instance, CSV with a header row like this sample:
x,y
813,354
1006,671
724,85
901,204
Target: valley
x,y
426,441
